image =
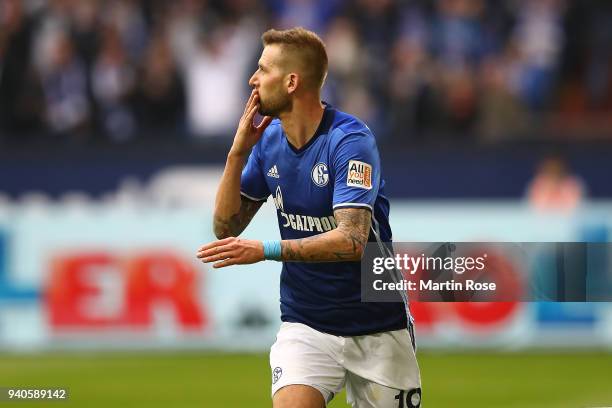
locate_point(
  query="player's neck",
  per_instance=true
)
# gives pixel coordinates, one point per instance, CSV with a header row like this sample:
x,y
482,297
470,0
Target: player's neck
x,y
301,123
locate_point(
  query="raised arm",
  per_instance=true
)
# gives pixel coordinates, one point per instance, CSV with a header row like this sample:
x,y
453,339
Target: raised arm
x,y
233,225
233,212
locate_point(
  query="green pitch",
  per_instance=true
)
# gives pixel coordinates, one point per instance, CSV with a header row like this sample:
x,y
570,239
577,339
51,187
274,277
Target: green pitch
x,y
237,380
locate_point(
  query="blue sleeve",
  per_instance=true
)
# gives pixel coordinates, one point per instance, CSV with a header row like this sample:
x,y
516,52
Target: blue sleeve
x,y
252,182
356,171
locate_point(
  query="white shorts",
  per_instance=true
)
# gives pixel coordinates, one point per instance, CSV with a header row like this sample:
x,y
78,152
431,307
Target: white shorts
x,y
379,370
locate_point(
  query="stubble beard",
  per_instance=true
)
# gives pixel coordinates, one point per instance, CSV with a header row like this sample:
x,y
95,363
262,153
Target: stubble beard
x,y
274,106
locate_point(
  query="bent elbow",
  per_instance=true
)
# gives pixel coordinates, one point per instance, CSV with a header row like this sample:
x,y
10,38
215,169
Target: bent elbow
x,y
221,234
221,231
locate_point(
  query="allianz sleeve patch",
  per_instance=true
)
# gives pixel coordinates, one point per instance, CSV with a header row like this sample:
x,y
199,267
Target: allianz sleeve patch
x,y
359,175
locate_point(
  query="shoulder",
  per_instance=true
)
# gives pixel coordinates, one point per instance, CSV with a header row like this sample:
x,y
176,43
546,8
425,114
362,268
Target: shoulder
x,y
349,127
273,129
350,124
348,130
271,134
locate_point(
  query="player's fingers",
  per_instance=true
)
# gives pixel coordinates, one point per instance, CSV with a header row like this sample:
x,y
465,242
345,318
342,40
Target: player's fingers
x,y
226,262
253,101
209,246
216,250
264,123
248,104
218,243
218,257
252,113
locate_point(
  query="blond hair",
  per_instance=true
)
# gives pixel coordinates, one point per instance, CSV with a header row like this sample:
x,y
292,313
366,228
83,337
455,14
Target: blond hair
x,y
309,49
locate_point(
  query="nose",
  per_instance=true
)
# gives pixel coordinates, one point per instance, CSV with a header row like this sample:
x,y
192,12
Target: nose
x,y
252,80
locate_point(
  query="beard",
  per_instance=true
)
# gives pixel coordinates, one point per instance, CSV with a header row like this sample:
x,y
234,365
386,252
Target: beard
x,y
274,105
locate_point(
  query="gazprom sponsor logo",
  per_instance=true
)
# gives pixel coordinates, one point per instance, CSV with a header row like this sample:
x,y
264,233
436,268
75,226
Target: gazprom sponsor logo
x,y
307,223
300,222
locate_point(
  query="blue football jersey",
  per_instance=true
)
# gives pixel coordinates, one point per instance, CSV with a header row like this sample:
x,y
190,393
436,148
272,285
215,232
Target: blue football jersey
x,y
338,168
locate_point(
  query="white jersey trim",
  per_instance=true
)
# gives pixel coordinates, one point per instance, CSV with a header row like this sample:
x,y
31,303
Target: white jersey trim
x,y
352,205
253,198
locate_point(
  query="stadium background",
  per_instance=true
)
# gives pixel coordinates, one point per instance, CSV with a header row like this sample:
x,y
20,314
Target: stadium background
x,y
494,121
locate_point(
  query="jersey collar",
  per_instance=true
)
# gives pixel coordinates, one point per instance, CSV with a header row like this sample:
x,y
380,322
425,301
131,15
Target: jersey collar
x,y
324,125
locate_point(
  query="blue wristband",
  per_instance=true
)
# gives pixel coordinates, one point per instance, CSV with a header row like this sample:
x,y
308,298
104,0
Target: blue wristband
x,y
272,250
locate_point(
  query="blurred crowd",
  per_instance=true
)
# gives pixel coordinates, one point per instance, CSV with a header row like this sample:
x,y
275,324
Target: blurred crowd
x,y
75,71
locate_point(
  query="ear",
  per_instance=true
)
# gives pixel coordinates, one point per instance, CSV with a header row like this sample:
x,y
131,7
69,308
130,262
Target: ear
x,y
293,80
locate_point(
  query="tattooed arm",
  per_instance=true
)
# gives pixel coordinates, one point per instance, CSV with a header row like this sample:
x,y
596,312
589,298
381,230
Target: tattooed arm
x,y
345,243
233,212
233,225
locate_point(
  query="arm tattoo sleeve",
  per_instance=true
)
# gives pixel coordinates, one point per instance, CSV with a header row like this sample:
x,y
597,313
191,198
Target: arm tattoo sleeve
x,y
345,243
354,223
234,225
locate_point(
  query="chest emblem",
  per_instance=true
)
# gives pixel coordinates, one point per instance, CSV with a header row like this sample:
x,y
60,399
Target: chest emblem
x,y
320,174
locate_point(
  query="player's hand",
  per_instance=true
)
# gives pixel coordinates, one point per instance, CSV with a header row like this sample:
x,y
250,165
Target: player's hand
x,y
248,134
231,251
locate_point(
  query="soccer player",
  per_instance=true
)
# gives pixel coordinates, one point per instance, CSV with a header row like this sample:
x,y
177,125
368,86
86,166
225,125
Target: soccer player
x,y
322,168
